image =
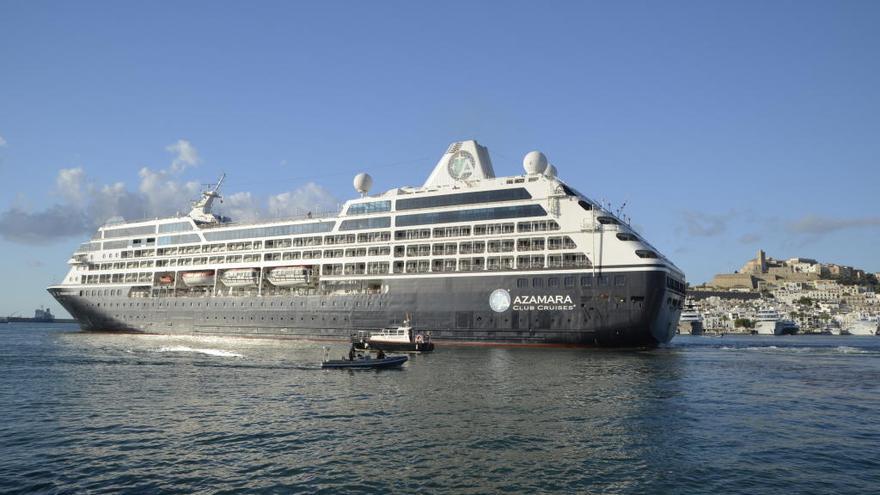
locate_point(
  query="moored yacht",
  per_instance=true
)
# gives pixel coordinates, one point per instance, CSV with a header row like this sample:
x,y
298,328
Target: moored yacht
x,y
765,321
690,321
475,258
770,322
863,325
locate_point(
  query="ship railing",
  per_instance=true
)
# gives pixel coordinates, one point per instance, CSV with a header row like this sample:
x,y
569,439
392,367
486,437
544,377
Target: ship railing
x,y
310,215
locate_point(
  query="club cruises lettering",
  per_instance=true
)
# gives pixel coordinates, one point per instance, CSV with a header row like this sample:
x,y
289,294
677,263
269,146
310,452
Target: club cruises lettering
x,y
500,301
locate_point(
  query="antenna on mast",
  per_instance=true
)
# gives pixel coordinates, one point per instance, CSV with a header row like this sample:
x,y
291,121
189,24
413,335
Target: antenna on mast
x,y
201,210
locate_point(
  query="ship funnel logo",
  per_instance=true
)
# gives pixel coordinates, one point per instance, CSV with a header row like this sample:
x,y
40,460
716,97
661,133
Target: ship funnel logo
x,y
499,300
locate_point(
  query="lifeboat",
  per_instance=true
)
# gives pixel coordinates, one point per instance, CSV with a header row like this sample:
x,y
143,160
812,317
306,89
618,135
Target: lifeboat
x,y
240,277
166,279
289,276
198,279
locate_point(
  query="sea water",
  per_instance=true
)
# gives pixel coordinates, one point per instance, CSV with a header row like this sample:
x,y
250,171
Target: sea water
x,y
86,412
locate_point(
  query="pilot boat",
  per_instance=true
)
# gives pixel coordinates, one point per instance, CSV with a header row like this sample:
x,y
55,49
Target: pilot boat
x,y
400,338
364,362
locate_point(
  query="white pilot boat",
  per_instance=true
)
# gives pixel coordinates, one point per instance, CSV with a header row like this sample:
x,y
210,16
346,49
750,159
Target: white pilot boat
x,y
400,338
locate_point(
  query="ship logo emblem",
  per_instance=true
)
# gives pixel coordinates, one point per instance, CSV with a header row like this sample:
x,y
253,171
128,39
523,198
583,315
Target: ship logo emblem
x,y
499,300
461,165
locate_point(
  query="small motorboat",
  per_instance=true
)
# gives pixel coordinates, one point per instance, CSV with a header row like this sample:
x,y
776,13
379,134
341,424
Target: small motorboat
x,y
365,363
399,339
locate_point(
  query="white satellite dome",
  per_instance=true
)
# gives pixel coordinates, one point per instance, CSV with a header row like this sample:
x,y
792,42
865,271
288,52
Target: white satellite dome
x,y
363,182
550,173
535,162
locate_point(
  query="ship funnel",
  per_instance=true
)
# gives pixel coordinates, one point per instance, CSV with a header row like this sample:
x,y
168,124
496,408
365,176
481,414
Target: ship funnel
x,y
463,162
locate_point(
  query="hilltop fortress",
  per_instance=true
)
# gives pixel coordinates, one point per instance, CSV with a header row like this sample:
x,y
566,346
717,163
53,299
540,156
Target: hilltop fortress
x,y
762,272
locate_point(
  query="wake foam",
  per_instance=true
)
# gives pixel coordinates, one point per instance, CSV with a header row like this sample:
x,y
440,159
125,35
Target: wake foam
x,y
207,352
841,349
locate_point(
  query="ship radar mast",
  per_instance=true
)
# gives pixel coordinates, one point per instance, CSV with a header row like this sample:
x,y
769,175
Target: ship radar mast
x,y
201,208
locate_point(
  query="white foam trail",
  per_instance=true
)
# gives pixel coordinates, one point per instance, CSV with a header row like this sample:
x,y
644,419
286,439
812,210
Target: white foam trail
x,y
772,348
209,352
852,350
209,339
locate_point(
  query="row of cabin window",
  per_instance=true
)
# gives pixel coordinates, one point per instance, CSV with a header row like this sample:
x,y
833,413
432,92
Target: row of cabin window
x,y
247,258
527,262
371,268
99,292
488,229
383,236
268,244
493,246
555,261
167,240
117,278
475,197
274,231
475,247
474,215
402,220
523,262
569,281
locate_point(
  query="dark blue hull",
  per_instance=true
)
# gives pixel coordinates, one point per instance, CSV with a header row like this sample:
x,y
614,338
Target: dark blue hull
x,y
624,309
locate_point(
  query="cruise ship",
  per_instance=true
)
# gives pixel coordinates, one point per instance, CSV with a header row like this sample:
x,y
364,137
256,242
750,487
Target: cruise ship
x,y
472,258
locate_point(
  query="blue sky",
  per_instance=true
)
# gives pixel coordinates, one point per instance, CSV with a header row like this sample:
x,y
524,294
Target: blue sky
x,y
724,126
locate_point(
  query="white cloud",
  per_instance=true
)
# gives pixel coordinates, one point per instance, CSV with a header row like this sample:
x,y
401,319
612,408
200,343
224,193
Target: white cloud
x,y
69,184
86,205
163,195
309,198
53,223
186,155
705,224
3,142
816,225
242,207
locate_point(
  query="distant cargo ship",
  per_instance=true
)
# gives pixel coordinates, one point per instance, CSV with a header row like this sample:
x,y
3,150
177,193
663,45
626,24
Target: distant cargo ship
x,y
474,258
41,315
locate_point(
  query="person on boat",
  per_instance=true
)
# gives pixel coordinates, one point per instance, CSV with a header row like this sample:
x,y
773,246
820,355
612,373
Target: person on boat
x,y
380,354
351,353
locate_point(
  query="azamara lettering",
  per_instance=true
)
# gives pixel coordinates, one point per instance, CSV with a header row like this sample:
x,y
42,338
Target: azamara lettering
x,y
557,299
